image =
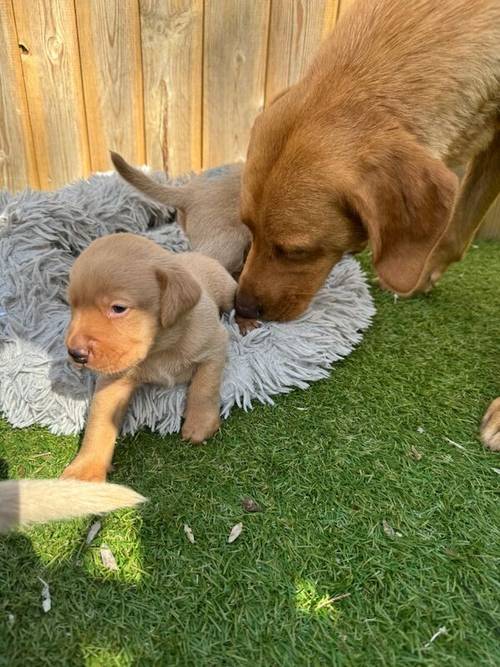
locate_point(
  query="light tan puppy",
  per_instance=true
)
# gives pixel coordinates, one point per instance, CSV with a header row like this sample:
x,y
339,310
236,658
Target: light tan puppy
x,y
142,314
208,209
27,501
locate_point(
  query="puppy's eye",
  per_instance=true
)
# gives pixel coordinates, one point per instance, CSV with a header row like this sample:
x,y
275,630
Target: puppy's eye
x,y
118,310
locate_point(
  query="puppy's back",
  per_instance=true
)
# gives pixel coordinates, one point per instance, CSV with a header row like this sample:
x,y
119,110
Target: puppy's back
x,y
212,276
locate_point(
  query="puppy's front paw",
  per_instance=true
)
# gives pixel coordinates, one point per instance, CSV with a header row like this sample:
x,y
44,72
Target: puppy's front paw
x,y
199,427
490,426
84,470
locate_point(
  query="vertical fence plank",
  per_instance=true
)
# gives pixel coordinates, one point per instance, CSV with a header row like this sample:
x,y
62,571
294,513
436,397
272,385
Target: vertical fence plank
x,y
172,58
345,4
17,159
110,51
51,69
490,228
235,51
295,33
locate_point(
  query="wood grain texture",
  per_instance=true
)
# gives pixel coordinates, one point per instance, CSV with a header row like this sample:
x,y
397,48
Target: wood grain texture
x,y
51,69
18,167
490,228
172,61
110,51
296,30
343,5
235,53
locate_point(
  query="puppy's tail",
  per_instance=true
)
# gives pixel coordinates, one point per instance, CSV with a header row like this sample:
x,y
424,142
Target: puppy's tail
x,y
170,196
36,500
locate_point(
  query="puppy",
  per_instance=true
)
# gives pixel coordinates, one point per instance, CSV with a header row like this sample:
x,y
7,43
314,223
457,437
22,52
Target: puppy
x,y
208,209
142,314
362,149
27,501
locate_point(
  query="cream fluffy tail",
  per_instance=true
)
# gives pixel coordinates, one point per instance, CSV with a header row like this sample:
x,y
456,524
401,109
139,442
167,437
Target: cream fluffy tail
x,y
32,501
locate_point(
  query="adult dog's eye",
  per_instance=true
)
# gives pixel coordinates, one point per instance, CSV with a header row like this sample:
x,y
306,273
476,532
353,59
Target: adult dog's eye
x,y
118,309
291,253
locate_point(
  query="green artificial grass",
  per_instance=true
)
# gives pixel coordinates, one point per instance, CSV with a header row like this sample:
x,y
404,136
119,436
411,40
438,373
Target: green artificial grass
x,y
335,468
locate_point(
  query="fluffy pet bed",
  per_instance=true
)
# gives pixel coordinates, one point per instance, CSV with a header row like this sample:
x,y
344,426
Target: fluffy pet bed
x,y
40,236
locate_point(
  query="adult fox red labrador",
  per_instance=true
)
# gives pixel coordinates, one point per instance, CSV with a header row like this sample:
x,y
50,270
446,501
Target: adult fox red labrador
x,y
362,149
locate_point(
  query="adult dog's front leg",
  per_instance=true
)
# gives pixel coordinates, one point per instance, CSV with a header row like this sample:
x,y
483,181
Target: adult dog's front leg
x,y
202,415
490,426
107,410
479,188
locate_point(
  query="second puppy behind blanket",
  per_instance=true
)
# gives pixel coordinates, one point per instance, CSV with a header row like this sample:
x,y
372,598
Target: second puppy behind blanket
x,y
208,209
142,314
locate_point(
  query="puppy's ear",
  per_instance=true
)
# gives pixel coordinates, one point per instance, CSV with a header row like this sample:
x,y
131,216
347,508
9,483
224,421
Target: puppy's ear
x,y
405,201
179,292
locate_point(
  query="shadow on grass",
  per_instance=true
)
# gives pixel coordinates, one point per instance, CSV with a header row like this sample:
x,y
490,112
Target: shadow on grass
x,y
139,614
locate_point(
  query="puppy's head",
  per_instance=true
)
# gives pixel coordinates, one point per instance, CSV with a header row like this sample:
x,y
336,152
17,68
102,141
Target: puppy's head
x,y
311,193
123,290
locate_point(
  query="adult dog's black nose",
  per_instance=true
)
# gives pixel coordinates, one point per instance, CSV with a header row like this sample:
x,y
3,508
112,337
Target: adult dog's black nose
x,y
247,306
80,355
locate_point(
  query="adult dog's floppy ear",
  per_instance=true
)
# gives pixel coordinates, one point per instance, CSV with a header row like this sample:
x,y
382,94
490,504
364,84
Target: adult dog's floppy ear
x,y
404,201
179,292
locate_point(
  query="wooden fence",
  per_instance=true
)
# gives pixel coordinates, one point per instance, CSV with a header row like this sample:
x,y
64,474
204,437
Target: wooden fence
x,y
169,83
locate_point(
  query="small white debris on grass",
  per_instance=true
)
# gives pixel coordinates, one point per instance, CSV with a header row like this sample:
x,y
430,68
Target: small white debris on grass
x,y
108,560
420,429
189,533
327,602
455,444
497,470
235,533
415,453
336,598
93,530
389,530
302,409
441,631
46,599
11,619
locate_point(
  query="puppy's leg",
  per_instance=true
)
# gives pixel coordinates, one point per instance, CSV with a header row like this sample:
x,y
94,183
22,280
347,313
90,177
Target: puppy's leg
x,y
109,403
480,186
490,426
201,418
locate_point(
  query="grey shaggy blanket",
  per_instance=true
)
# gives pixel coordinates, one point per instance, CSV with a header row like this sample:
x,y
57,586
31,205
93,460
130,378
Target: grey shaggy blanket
x,y
42,233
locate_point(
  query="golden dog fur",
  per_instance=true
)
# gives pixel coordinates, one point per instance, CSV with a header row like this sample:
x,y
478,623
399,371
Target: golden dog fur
x,y
27,501
167,331
362,149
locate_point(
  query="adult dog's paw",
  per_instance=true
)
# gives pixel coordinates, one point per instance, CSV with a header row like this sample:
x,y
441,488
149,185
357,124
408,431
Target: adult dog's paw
x,y
490,426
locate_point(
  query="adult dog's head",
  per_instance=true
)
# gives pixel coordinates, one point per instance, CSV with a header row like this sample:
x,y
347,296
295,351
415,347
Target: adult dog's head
x,y
318,185
123,290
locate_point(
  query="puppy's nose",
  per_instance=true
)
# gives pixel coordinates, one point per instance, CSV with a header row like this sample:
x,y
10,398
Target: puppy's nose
x,y
247,306
79,354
